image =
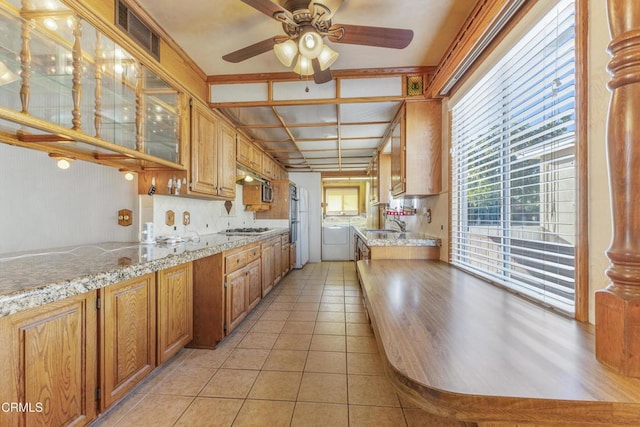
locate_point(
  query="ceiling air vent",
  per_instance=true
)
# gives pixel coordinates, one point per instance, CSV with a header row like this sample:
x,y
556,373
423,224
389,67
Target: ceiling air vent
x,y
140,32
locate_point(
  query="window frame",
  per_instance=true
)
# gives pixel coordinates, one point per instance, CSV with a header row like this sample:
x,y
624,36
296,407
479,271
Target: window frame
x,y
341,187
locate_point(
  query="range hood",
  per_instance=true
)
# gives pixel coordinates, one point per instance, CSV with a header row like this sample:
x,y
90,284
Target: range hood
x,y
246,176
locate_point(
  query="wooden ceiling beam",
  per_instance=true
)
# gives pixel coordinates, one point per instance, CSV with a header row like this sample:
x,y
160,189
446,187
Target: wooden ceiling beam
x,y
343,174
291,76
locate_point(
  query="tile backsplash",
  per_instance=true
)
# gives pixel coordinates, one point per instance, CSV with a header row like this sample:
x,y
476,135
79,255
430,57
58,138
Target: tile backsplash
x,y
207,216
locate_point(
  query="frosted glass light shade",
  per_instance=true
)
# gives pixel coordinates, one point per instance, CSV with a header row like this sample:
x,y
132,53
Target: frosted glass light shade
x,y
303,66
6,75
310,44
327,57
286,52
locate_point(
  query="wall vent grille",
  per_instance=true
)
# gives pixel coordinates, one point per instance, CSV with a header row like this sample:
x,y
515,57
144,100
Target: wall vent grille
x,y
140,32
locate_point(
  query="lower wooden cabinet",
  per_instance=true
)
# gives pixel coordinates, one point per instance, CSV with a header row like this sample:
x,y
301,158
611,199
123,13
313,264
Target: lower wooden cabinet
x,y
267,266
254,286
175,310
127,336
237,290
243,283
49,363
208,301
292,256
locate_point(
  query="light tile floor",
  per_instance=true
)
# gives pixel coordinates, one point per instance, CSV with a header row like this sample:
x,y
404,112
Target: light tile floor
x,y
305,356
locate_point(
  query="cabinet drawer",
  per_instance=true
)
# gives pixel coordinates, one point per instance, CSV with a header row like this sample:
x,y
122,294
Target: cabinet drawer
x,y
285,238
240,257
253,253
235,261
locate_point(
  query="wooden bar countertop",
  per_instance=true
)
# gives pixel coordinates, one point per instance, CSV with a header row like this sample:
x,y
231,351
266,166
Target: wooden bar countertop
x,y
465,349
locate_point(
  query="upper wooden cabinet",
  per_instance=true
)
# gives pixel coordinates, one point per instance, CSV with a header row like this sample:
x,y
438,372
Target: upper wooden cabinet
x,y
49,359
76,92
213,155
281,204
416,153
249,155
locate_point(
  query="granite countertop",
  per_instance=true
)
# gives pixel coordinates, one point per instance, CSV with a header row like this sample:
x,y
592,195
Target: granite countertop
x,y
31,279
396,238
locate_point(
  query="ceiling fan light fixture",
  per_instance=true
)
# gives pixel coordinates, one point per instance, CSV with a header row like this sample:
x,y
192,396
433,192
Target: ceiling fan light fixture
x,y
286,52
327,57
310,44
303,67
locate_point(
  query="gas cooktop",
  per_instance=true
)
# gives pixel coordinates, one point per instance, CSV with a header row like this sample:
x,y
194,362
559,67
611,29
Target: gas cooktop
x,y
245,231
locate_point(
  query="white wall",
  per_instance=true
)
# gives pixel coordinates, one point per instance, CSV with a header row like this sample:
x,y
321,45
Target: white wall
x,y
312,182
42,206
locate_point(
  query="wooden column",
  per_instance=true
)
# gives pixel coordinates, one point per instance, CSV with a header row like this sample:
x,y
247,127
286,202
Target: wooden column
x,y
618,306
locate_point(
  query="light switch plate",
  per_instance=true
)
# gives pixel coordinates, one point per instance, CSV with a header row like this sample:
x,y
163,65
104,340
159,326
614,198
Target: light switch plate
x,y
186,218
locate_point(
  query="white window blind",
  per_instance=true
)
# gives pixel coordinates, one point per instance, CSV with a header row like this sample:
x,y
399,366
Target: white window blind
x,y
513,166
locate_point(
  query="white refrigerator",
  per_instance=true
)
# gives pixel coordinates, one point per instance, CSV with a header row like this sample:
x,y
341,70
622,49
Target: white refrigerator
x,y
302,244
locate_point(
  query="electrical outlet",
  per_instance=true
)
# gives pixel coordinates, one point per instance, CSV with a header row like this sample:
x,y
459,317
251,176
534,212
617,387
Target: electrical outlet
x,y
125,217
186,218
170,218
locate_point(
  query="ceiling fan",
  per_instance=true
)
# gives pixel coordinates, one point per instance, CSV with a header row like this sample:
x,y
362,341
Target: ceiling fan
x,y
306,24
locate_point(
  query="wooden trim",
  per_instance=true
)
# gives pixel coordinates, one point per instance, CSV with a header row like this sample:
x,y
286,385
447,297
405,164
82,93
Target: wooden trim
x,y
475,31
294,102
617,313
343,174
582,159
26,120
337,74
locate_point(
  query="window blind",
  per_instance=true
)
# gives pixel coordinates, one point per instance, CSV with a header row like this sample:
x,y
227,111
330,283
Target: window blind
x,y
513,166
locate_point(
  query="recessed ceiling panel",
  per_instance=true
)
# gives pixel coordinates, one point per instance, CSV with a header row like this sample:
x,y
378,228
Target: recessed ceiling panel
x,y
275,146
313,162
297,90
319,133
369,112
239,92
381,86
301,114
318,154
360,143
268,134
252,115
363,131
317,145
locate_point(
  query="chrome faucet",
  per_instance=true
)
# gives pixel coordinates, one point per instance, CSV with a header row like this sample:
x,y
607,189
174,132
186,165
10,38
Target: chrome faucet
x,y
401,224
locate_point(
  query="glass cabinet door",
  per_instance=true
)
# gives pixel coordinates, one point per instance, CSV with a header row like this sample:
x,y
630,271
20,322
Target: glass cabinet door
x,y
56,67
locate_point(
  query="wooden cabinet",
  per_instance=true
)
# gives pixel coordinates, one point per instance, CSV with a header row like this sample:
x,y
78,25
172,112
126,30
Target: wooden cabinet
x,y
416,153
49,363
252,198
236,286
384,177
269,264
280,206
285,249
269,168
213,155
226,161
292,256
243,283
277,261
254,275
174,310
127,336
249,155
208,301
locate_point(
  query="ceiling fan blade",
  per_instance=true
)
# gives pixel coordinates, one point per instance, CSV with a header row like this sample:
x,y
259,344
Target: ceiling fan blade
x,y
395,38
320,76
324,9
267,7
250,51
